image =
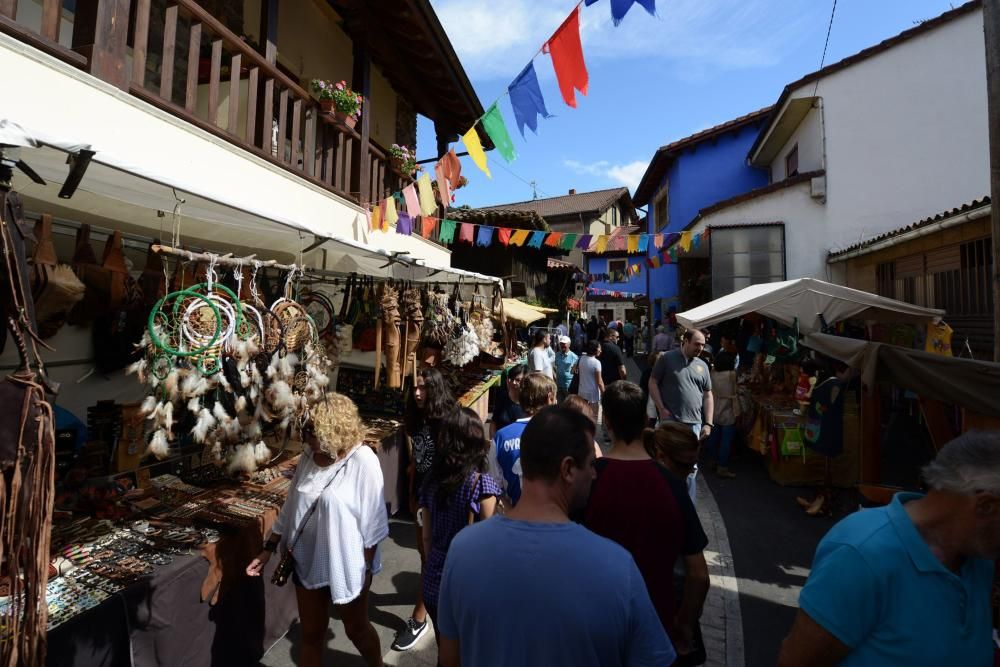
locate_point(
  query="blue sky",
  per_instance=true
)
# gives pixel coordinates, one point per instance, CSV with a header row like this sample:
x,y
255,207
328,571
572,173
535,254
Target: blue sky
x,y
652,79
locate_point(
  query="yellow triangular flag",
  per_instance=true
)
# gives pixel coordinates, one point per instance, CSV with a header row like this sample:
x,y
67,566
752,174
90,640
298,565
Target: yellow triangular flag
x,y
633,243
390,212
685,241
471,141
519,237
376,218
427,203
602,243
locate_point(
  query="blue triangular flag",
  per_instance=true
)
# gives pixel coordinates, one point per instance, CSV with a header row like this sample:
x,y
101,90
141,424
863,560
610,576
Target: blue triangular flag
x,y
619,8
485,236
526,98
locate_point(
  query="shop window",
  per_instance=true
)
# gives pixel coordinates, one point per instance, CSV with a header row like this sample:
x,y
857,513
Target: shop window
x,y
617,266
792,162
660,211
975,277
744,256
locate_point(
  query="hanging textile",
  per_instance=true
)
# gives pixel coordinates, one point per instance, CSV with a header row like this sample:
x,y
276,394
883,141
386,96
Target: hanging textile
x,y
485,236
673,253
404,225
466,232
553,239
567,58
602,243
685,241
536,240
504,235
644,243
444,187
391,216
475,149
584,242
658,241
568,241
633,243
655,262
412,203
451,167
368,218
526,99
447,234
696,241
495,127
705,234
427,224
519,237
427,203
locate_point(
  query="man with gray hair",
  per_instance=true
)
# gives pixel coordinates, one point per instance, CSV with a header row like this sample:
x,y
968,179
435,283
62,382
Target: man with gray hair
x,y
909,584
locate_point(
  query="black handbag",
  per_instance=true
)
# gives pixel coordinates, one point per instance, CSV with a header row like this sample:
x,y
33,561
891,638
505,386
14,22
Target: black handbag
x,y
287,563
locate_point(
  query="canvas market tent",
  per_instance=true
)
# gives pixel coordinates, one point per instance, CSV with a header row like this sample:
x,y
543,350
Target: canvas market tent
x,y
805,299
967,383
522,313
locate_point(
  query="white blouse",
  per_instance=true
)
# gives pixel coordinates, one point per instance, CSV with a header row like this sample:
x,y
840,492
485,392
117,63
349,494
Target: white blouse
x,y
349,518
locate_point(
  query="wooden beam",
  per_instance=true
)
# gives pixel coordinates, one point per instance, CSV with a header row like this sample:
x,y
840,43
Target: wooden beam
x,y
140,42
169,46
214,76
194,59
269,30
282,123
309,143
361,82
51,14
267,117
296,131
252,83
8,8
100,30
234,94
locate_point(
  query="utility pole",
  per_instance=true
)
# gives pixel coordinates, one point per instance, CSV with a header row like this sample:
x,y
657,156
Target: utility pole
x,y
991,28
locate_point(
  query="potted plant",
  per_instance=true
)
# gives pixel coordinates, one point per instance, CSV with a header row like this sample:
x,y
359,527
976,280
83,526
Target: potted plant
x,y
404,159
338,100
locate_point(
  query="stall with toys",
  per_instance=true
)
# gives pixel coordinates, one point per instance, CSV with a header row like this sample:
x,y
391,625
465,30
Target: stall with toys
x,y
795,410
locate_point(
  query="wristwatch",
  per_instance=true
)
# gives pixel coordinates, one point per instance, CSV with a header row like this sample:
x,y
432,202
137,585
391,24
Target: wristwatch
x,y
709,425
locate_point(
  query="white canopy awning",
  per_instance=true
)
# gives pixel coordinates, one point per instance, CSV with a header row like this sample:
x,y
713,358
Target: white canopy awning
x,y
805,299
142,200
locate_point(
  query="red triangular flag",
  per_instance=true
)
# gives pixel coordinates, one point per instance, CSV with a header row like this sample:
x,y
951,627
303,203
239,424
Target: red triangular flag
x,y
503,233
427,225
553,239
567,58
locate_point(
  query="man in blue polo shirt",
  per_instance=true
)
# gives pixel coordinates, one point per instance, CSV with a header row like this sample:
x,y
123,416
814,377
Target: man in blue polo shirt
x,y
909,584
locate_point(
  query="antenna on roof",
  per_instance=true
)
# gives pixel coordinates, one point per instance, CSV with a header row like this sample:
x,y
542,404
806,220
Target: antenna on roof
x,y
534,189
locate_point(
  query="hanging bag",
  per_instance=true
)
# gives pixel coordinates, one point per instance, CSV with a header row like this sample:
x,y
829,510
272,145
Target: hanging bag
x,y
119,327
54,287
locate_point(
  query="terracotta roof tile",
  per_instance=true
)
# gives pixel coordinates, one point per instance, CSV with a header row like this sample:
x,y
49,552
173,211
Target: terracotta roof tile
x,y
581,202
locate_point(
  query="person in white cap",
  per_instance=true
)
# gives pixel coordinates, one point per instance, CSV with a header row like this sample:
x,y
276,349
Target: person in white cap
x,y
565,364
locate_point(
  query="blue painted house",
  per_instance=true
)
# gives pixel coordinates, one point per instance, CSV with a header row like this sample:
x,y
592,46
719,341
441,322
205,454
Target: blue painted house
x,y
683,178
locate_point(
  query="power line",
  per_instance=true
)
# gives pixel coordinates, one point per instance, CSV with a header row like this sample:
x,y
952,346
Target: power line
x,y
531,184
829,29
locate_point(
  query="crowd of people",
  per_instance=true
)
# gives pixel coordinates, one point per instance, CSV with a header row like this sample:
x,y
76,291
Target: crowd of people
x,y
538,546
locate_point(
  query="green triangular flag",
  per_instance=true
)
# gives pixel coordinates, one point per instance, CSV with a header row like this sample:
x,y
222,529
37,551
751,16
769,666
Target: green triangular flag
x,y
447,234
568,241
497,129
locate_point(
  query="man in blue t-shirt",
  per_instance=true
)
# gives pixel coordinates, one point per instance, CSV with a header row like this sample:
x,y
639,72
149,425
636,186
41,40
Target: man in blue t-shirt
x,y
537,391
909,584
565,595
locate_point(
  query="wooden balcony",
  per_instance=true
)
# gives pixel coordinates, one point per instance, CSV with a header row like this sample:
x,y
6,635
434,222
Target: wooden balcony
x,y
201,72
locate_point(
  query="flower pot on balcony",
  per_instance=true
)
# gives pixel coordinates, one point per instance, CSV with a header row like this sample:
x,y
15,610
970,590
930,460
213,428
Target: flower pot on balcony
x,y
347,119
328,107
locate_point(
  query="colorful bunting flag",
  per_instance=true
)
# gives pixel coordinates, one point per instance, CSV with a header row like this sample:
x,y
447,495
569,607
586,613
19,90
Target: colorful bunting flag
x,y
404,225
644,243
696,241
475,149
451,167
412,203
444,187
658,241
504,235
619,8
497,130
485,236
633,243
391,216
567,58
519,237
536,240
584,242
427,203
673,253
656,262
376,218
553,240
427,224
568,241
602,244
466,231
526,99
705,234
368,218
685,242
447,234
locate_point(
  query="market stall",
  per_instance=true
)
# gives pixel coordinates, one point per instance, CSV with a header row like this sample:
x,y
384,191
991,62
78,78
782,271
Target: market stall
x,y
763,324
169,475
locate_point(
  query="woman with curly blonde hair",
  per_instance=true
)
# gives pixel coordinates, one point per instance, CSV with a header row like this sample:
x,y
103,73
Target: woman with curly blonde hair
x,y
336,507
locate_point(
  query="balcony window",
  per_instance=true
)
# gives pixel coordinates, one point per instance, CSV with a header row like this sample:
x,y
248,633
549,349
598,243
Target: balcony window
x,y
744,256
792,162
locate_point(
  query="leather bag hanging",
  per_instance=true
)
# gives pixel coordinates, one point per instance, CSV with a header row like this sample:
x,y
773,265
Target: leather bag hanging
x,y
55,288
118,328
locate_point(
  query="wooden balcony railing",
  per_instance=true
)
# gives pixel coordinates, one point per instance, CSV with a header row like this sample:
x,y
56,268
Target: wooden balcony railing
x,y
44,36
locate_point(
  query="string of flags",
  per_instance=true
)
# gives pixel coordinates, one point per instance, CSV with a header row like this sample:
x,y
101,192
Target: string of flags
x,y
527,104
593,291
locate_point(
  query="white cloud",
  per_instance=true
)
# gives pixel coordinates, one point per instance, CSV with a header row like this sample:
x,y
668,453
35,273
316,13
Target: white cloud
x,y
694,38
628,174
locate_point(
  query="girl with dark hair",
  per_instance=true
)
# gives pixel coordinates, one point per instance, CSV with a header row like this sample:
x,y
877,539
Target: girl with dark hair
x,y
457,492
429,402
508,408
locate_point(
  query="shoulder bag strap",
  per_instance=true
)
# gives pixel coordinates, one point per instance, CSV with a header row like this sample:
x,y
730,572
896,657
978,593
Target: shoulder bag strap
x,y
312,508
475,485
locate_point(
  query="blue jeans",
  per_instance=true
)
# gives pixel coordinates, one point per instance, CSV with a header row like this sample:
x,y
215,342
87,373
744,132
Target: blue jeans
x,y
720,441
